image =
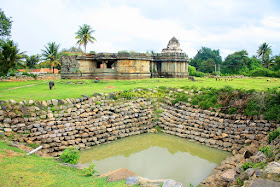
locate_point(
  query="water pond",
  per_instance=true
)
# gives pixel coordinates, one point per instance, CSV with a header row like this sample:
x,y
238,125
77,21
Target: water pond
x,y
156,156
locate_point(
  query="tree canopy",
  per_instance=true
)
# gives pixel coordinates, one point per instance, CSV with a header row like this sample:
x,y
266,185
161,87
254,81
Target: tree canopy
x,y
32,61
5,24
235,62
84,35
10,56
205,60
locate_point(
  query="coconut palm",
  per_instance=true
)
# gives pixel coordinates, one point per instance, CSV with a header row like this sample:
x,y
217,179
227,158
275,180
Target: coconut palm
x,y
84,35
32,61
10,56
264,51
50,54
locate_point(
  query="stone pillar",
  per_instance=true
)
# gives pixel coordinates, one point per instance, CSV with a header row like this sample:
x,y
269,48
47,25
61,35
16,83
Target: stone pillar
x,y
187,68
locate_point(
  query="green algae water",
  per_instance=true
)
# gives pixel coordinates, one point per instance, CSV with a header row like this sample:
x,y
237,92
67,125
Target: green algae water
x,y
156,156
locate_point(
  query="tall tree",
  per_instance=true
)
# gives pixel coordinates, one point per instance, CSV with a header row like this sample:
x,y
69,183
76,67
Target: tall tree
x,y
235,62
205,59
5,24
10,56
32,61
84,35
264,51
50,54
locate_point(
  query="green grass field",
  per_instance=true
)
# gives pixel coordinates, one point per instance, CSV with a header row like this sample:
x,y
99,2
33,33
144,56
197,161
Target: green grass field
x,y
18,169
38,90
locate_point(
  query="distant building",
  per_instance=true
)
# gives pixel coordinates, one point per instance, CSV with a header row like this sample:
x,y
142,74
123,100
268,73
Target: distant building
x,y
172,62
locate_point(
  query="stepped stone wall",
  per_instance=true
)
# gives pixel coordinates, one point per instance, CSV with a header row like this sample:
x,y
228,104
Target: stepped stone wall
x,y
88,121
218,130
84,122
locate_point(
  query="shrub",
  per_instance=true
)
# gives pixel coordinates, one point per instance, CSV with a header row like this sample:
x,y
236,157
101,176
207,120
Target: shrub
x,y
273,135
30,75
90,171
193,72
70,155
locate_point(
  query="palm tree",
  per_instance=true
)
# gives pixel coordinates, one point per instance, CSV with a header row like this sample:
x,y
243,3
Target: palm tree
x,y
84,35
10,56
50,54
32,61
264,51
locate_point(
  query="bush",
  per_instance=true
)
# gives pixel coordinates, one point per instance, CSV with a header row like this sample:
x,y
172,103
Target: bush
x,y
193,72
70,155
30,75
90,171
273,135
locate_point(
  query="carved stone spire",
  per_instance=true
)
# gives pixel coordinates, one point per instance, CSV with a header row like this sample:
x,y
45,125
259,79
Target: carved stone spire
x,y
173,46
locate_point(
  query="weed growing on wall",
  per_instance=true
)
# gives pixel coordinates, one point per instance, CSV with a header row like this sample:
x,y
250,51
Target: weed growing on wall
x,y
266,150
274,134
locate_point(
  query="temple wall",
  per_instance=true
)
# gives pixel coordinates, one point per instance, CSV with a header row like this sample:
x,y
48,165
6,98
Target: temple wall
x,y
126,66
87,66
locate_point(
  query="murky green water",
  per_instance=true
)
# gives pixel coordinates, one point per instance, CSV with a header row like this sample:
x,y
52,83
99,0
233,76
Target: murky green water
x,y
156,156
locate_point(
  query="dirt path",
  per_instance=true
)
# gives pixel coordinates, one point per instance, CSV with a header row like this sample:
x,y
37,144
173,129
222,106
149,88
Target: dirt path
x,y
20,87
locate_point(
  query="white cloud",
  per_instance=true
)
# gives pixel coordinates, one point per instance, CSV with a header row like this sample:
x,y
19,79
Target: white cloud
x,y
143,25
271,21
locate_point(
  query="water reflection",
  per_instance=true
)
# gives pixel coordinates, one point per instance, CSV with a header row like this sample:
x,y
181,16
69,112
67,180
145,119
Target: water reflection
x,y
156,156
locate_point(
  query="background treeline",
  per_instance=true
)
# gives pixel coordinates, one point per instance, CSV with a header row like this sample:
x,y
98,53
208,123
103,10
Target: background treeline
x,y
206,61
12,59
209,61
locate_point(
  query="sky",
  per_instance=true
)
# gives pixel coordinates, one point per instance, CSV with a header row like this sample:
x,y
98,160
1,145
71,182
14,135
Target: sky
x,y
134,25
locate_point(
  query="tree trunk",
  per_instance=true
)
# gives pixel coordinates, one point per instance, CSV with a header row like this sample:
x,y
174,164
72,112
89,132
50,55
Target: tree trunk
x,y
53,69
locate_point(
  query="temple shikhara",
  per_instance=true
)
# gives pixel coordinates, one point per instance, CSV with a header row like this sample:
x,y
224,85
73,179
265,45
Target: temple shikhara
x,y
172,62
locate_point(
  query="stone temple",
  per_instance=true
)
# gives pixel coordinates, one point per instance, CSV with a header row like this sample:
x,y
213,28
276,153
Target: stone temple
x,y
172,62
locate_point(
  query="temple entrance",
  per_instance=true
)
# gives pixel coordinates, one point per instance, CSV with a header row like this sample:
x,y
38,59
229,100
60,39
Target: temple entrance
x,y
111,64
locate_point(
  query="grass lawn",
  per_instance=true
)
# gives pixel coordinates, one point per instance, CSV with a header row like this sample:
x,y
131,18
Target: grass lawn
x,y
38,90
18,169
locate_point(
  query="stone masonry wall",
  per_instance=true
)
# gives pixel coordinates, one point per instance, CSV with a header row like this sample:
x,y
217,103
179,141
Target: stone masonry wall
x,y
83,122
47,76
218,130
88,121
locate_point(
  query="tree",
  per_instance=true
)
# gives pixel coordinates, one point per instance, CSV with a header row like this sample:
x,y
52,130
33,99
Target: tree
x,y
84,35
264,51
10,56
205,59
235,62
5,25
33,60
276,62
50,54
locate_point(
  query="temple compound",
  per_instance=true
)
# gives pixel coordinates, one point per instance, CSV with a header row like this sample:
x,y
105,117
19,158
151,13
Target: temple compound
x,y
172,62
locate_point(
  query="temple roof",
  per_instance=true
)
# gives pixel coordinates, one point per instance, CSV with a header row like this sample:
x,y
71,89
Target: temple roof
x,y
173,46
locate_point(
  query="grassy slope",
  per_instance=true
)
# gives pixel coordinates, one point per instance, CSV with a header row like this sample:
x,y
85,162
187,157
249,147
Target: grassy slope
x,y
17,169
62,90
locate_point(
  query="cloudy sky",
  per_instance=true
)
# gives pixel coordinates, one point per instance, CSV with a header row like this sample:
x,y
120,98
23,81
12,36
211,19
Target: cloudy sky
x,y
227,25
